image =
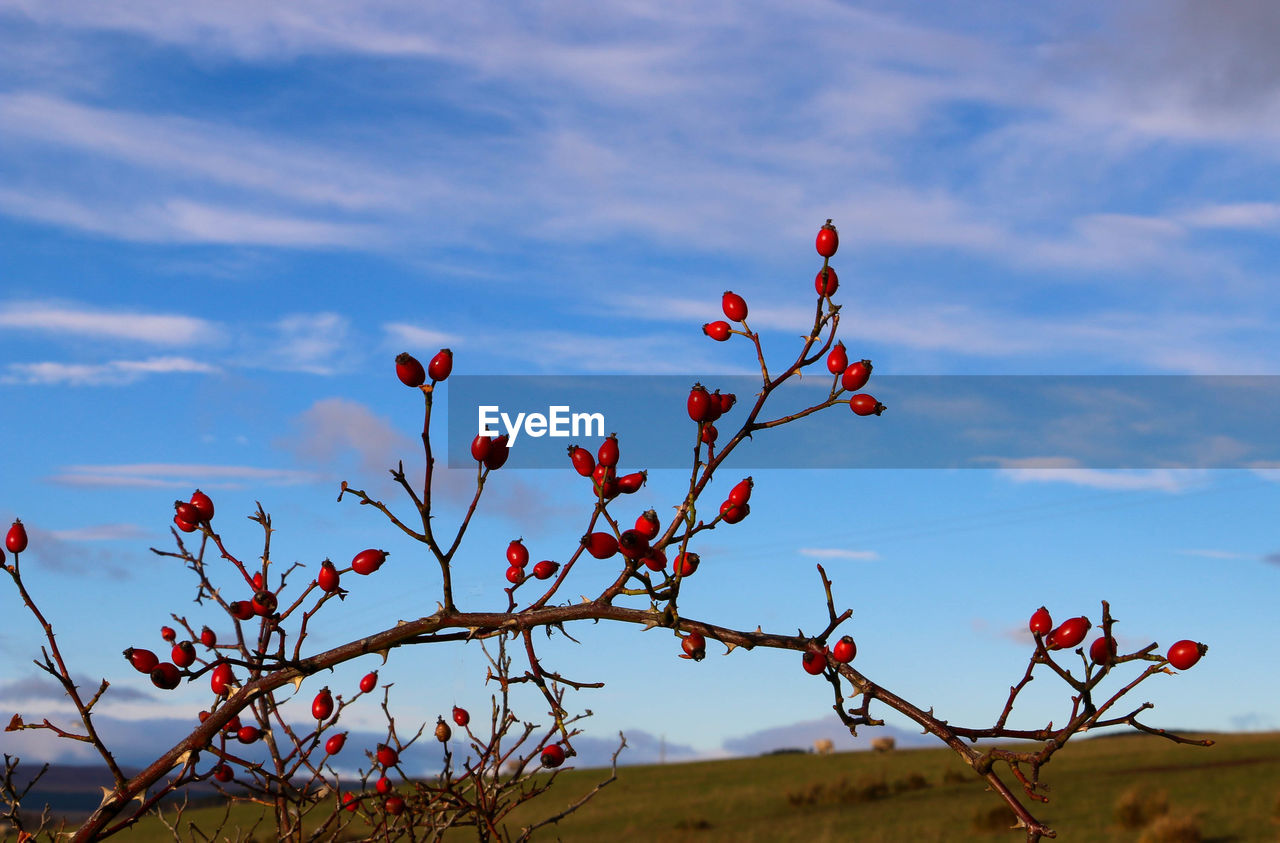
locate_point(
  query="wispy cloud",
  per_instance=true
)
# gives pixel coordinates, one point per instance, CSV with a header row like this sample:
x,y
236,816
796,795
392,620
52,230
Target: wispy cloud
x,y
839,553
1215,554
77,320
101,532
178,475
333,427
405,335
1161,480
113,373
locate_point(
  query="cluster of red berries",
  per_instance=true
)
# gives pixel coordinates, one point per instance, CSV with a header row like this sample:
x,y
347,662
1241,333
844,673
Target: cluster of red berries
x,y
1071,632
734,307
814,660
189,515
735,507
518,558
603,469
411,373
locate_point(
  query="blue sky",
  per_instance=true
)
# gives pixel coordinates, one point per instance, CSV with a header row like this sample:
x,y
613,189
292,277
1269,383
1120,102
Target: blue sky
x,y
219,224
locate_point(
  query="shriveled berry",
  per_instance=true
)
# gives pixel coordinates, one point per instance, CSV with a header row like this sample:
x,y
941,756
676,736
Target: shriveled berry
x,y
386,755
322,705
583,462
734,306
828,240
694,646
143,661
166,676
409,370
552,755
718,331
1185,653
826,282
443,732
461,716
441,365
367,561
600,545
328,579
368,682
335,743
844,650
865,405
16,538
545,569
838,360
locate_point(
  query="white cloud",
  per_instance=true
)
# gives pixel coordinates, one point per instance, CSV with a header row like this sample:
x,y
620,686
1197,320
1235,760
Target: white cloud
x,y
1064,470
113,373
334,426
839,553
415,337
101,532
1217,554
180,475
1240,216
81,321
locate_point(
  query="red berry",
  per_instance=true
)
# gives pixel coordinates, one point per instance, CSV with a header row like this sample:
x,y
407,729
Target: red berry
x,y
732,513
647,524
222,773
838,360
864,405
630,483
16,538
184,654
713,410
409,370
545,569
207,637
583,462
241,610
480,448
856,375
335,743
367,561
814,662
515,575
826,282
143,661
248,734
166,676
322,705
828,240
368,682
441,365
203,504
221,679
607,455
633,545
718,331
394,805
184,526
1185,653
1102,650
264,603
350,802
694,646
461,716
383,785
656,560
601,545
167,633
1069,633
686,564
517,554
741,493
498,453
186,512
727,400
328,579
1040,623
734,306
386,755
232,725
259,581
709,434
844,650
699,403
552,755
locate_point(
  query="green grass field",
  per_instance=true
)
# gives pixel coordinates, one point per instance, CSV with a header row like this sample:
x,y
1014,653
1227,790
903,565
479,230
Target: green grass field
x,y
1229,792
